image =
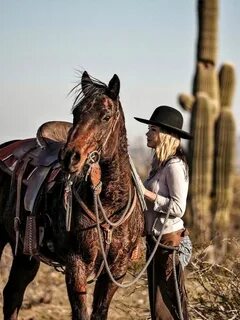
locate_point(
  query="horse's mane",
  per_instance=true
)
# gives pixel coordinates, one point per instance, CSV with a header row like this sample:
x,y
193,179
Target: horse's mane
x,y
91,89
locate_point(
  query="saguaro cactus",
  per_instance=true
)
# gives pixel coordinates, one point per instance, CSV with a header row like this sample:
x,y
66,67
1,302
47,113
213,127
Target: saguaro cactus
x,y
211,152
224,151
200,156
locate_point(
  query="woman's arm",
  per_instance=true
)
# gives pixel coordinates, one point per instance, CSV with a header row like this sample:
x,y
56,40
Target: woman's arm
x,y
177,183
149,195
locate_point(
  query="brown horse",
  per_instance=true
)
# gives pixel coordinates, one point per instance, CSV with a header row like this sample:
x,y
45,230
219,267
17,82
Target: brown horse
x,y
94,161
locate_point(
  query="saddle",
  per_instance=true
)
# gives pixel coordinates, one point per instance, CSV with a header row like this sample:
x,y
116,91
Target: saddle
x,y
34,163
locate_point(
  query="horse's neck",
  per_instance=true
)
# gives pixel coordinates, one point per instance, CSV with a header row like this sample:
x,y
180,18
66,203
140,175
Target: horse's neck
x,y
117,173
116,178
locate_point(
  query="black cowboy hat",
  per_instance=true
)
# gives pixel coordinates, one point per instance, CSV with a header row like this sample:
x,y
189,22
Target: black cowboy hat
x,y
169,119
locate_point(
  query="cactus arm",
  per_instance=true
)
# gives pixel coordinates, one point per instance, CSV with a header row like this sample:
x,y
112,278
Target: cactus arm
x,y
186,101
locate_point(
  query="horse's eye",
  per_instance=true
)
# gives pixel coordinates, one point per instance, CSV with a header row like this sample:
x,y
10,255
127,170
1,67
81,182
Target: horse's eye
x,y
106,118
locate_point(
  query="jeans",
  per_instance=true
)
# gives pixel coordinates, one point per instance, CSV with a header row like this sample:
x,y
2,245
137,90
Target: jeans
x,y
185,251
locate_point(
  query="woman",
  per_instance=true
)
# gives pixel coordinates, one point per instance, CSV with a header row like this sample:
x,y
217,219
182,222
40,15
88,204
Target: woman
x,y
167,185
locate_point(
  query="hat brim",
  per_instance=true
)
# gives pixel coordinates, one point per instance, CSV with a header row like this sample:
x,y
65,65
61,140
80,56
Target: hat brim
x,y
170,129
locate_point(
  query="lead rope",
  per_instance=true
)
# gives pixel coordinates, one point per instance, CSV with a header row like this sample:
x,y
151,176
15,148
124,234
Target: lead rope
x,y
126,214
180,313
68,202
125,285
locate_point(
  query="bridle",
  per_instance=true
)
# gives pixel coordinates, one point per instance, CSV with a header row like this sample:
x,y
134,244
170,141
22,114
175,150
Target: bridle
x,y
106,224
114,123
97,153
92,161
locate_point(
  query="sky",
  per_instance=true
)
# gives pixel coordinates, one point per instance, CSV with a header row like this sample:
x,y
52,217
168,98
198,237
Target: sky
x,y
149,44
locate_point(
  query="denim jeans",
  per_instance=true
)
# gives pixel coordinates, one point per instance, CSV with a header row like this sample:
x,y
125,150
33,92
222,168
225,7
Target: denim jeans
x,y
185,251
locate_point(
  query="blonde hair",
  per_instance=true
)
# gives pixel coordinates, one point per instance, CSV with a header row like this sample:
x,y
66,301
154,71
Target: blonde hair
x,y
168,144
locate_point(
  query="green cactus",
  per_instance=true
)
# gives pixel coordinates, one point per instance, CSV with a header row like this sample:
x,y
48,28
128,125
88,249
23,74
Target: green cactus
x,y
227,85
206,80
201,162
225,148
208,28
211,151
186,101
223,170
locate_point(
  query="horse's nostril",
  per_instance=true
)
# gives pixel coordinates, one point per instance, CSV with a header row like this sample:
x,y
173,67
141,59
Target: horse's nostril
x,y
69,158
76,157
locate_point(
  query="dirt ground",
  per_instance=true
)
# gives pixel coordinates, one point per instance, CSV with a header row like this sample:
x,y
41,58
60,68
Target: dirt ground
x,y
46,297
217,298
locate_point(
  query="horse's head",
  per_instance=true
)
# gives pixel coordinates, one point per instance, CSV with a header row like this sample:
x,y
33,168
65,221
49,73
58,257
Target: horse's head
x,y
96,121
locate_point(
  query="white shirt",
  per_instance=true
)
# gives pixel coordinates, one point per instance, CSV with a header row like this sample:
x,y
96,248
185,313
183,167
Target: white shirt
x,y
170,181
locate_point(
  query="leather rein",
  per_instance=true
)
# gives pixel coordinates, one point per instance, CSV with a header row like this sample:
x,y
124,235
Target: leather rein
x,y
94,172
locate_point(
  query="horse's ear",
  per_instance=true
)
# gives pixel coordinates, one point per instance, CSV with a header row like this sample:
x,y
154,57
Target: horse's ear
x,y
86,82
113,87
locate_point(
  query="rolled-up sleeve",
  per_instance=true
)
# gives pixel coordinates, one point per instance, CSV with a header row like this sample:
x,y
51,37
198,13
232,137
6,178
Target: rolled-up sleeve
x,y
177,183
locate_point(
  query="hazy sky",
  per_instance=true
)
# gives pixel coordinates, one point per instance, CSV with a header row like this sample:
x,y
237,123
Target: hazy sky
x,y
150,44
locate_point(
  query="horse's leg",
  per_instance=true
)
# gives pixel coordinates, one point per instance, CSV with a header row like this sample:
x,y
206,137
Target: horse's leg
x,y
76,281
103,293
22,272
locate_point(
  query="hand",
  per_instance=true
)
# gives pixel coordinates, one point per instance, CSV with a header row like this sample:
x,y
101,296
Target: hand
x,y
151,196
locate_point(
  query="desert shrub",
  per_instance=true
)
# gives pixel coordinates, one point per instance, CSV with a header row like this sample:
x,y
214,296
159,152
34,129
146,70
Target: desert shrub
x,y
214,289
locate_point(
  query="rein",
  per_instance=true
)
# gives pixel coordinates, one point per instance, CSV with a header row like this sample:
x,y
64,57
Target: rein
x,y
106,224
157,244
126,285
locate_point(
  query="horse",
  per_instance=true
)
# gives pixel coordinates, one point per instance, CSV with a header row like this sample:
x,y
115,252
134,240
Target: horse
x,y
93,174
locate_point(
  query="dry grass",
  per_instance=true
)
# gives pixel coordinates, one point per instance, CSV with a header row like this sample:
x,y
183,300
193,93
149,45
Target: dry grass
x,y
214,289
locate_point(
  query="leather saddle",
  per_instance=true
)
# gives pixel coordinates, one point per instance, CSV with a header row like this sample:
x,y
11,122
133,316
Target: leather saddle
x,y
34,161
